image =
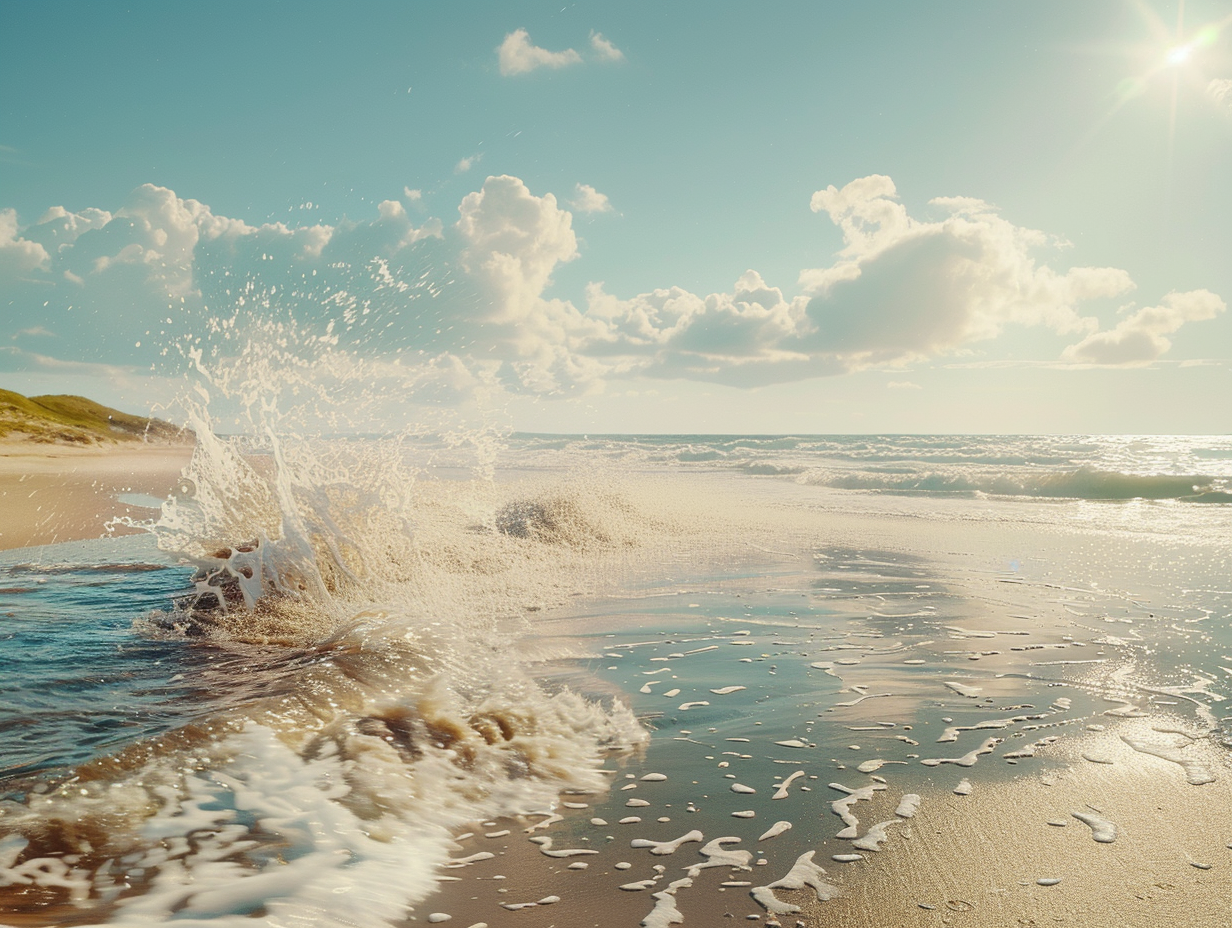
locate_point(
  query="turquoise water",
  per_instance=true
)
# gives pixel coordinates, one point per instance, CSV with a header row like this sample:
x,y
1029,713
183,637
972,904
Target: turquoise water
x,y
78,680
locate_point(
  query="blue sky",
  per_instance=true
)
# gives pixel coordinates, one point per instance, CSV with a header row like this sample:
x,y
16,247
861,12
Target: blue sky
x,y
646,217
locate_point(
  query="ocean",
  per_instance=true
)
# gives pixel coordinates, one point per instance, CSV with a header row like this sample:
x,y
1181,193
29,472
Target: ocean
x,y
517,679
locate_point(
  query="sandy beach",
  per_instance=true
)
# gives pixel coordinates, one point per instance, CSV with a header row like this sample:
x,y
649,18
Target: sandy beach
x,y
53,493
1046,795
867,711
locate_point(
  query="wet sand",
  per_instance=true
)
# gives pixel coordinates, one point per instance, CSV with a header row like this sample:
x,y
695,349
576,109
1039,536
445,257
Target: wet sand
x,y
986,860
991,858
52,494
1051,790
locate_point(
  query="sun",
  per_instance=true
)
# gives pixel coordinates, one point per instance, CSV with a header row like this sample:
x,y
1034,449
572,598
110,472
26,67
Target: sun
x,y
1179,55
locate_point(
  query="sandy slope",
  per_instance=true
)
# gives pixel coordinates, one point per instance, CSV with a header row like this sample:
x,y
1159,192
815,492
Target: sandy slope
x,y
54,493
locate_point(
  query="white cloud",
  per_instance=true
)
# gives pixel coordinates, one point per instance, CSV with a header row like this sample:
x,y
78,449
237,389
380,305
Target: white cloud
x,y
34,331
586,199
467,163
604,49
518,56
746,336
1220,90
59,228
106,280
413,196
474,301
1142,337
903,385
513,240
905,288
18,255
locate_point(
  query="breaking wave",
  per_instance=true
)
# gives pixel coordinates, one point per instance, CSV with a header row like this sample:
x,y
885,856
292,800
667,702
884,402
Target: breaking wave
x,y
1082,483
352,666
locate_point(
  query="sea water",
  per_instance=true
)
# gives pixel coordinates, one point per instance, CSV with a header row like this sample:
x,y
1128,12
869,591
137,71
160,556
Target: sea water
x,y
612,679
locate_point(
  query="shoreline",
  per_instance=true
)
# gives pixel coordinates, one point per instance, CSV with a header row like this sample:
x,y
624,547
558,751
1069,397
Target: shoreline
x,y
56,493
756,664
1010,854
975,860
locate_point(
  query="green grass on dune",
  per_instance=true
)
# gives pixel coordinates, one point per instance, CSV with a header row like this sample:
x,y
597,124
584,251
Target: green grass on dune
x,y
76,420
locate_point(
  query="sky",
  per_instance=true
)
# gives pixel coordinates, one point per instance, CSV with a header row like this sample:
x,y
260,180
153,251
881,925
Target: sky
x,y
588,217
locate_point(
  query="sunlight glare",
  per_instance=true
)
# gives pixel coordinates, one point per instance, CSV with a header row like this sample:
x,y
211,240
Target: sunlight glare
x,y
1179,55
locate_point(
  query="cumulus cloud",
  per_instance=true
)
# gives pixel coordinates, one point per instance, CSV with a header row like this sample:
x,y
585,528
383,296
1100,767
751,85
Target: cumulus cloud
x,y
18,254
511,242
742,337
586,199
604,49
1220,90
905,288
517,55
473,299
1143,336
113,276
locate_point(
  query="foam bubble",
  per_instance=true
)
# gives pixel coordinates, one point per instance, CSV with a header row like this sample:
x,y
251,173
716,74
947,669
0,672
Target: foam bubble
x,y
803,873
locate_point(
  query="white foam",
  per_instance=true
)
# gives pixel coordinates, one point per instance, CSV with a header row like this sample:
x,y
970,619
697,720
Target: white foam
x,y
1102,830
868,766
718,855
741,788
549,818
908,806
875,836
782,791
472,859
728,690
545,848
967,760
661,848
803,873
665,912
1196,774
685,707
951,733
775,830
859,699
962,689
639,885
1097,758
842,807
